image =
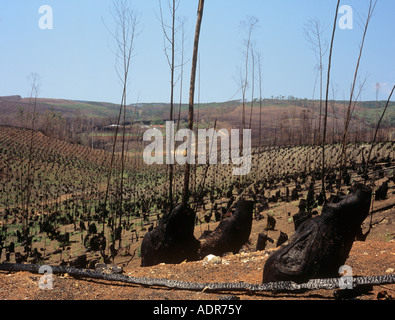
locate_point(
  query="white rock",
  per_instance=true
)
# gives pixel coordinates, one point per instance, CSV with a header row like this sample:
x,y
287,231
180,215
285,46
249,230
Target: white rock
x,y
212,259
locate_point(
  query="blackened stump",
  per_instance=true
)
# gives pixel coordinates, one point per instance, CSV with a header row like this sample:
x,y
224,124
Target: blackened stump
x,y
172,241
381,192
79,262
271,222
294,194
282,239
231,234
321,245
263,238
261,242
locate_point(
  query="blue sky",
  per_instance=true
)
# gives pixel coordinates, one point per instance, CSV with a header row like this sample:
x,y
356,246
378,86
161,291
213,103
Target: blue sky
x,y
75,60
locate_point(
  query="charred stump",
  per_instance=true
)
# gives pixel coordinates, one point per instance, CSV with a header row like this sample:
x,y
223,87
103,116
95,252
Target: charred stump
x,y
172,241
294,194
261,242
271,223
282,239
263,238
321,245
381,192
231,234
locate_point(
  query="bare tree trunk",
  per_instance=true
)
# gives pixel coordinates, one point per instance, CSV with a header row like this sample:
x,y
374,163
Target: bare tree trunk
x,y
26,196
182,71
349,111
375,134
124,37
249,25
260,96
171,169
326,101
252,84
170,39
313,33
192,95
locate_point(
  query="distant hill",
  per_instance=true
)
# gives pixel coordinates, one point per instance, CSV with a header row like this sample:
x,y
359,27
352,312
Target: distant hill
x,y
11,98
282,121
9,106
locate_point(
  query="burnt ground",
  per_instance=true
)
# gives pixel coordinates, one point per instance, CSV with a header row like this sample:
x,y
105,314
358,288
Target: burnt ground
x,y
375,256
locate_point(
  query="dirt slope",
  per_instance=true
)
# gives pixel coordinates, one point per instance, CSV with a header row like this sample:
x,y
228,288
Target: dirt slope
x,y
375,256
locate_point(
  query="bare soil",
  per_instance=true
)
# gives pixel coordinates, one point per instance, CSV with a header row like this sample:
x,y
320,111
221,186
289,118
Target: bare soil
x,y
375,256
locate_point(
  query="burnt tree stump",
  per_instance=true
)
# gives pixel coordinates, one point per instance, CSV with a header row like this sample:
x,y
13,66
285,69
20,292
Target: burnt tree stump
x,y
271,222
282,239
172,241
231,234
321,245
381,192
261,242
294,194
263,238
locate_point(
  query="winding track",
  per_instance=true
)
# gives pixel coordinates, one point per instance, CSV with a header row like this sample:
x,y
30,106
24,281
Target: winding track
x,y
313,284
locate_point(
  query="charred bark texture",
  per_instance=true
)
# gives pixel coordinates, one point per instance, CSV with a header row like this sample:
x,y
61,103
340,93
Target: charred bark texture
x,y
321,245
231,234
172,241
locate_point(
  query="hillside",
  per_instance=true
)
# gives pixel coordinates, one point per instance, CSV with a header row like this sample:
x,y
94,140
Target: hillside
x,y
68,184
58,169
375,256
291,122
52,208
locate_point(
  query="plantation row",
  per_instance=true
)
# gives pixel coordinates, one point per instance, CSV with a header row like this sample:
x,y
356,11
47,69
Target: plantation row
x,y
52,193
59,168
50,172
271,165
